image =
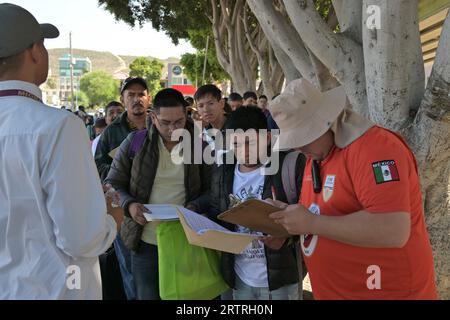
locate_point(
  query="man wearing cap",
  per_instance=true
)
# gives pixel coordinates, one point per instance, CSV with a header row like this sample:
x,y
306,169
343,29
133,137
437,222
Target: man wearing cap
x,y
151,176
360,217
135,98
53,221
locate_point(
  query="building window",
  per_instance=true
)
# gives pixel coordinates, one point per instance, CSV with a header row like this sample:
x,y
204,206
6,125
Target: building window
x,y
177,81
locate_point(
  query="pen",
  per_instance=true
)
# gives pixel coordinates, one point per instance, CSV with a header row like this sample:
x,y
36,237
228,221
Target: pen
x,y
274,197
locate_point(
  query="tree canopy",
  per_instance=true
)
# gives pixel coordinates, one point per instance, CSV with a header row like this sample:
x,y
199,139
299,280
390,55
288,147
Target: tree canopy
x,y
99,87
150,70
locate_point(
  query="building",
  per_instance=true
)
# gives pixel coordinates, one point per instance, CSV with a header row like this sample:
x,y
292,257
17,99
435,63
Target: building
x,y
176,79
50,90
81,66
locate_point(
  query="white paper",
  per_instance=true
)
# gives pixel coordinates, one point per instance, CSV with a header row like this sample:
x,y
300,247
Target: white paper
x,y
161,212
201,224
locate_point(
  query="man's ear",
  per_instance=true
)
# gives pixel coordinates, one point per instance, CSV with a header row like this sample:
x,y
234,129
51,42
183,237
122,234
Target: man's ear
x,y
222,104
35,52
122,101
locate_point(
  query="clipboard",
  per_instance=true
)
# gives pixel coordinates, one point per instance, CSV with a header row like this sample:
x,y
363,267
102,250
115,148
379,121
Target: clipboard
x,y
254,214
225,241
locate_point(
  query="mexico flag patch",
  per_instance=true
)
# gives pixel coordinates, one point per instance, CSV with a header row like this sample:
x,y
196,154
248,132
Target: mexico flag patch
x,y
385,171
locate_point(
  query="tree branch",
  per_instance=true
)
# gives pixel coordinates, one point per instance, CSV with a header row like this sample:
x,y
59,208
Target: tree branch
x,y
341,55
218,39
250,39
337,52
279,30
349,15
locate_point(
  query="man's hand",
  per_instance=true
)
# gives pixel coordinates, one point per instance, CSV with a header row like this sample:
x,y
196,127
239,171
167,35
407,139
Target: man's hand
x,y
116,213
274,243
112,205
112,195
137,213
296,219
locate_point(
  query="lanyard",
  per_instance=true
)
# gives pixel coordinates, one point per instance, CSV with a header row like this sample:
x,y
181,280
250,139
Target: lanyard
x,y
18,93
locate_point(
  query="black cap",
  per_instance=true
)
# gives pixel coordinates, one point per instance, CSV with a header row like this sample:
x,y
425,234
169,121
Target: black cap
x,y
131,80
100,123
19,29
167,95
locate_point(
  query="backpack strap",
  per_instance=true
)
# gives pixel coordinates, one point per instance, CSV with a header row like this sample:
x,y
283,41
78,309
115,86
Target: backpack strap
x,y
289,177
137,143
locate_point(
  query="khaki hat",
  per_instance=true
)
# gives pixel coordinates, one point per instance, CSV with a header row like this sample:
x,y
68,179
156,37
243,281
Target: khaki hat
x,y
19,30
304,114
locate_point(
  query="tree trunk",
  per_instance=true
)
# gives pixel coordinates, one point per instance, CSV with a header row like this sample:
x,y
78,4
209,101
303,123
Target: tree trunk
x,y
429,137
395,75
390,59
233,55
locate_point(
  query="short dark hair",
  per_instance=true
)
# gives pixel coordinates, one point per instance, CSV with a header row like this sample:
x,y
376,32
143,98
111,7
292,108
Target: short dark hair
x,y
111,105
208,89
169,98
190,101
250,94
263,97
247,118
100,123
234,96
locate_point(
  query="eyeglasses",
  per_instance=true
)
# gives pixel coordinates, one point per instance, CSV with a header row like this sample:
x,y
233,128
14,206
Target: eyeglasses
x,y
167,125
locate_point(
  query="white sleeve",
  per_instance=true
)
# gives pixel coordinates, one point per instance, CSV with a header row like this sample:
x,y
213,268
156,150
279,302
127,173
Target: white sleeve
x,y
75,200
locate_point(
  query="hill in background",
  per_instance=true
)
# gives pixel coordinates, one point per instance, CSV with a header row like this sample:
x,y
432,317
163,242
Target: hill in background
x,y
106,61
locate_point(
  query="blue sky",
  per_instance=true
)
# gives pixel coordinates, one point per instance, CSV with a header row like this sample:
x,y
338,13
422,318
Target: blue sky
x,y
94,28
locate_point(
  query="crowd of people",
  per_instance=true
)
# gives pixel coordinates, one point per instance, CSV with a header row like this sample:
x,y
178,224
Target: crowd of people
x,y
347,190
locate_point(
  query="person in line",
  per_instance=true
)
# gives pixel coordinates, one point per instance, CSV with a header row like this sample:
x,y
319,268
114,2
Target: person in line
x,y
235,101
265,270
250,99
150,176
113,110
135,98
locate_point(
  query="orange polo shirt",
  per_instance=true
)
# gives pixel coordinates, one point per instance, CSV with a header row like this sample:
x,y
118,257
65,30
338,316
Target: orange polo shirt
x,y
376,173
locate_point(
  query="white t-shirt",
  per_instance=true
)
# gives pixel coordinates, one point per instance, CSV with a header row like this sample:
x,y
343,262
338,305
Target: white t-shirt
x,y
95,144
250,265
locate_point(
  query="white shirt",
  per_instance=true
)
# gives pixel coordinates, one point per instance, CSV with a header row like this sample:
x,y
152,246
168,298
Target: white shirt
x,y
251,264
95,144
52,208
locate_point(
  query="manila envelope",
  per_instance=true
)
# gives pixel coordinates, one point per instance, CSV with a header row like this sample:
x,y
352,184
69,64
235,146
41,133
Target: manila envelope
x,y
113,152
254,214
217,240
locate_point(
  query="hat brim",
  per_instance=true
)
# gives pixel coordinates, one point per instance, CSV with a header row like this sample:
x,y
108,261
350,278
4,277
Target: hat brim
x,y
134,81
329,109
49,31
